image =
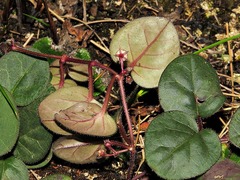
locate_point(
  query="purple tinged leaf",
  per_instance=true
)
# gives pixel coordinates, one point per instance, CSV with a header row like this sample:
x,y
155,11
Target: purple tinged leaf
x,y
87,118
151,44
67,82
61,99
69,106
78,72
74,151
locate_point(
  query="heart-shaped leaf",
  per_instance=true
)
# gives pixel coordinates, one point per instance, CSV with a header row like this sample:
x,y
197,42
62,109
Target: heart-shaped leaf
x,y
13,168
74,151
151,43
176,150
34,140
67,101
234,129
9,122
24,76
87,118
190,84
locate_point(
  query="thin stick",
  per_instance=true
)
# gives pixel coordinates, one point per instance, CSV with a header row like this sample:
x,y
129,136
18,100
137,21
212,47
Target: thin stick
x,y
103,21
28,40
84,11
231,61
228,89
51,22
225,129
100,47
35,175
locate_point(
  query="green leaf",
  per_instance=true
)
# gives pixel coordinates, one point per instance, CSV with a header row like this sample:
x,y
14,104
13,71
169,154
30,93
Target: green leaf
x,y
44,45
43,163
9,122
102,79
9,99
151,43
190,84
34,140
234,129
83,54
24,76
235,158
176,150
13,168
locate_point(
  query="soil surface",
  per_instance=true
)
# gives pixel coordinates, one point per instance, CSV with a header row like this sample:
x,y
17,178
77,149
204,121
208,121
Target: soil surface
x,y
92,24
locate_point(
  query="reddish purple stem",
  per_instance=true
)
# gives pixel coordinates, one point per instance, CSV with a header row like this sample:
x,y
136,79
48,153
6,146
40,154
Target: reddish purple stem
x,y
129,142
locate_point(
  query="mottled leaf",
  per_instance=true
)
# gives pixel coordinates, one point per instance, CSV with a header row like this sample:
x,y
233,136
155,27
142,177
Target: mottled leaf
x,y
190,84
34,140
24,76
67,82
234,129
13,168
42,163
176,150
9,122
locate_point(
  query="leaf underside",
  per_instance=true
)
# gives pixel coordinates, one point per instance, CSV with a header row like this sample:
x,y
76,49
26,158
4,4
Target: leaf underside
x,y
70,108
151,44
75,151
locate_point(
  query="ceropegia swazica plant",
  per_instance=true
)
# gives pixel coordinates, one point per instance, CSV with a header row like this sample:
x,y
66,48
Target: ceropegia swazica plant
x,y
143,48
176,144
